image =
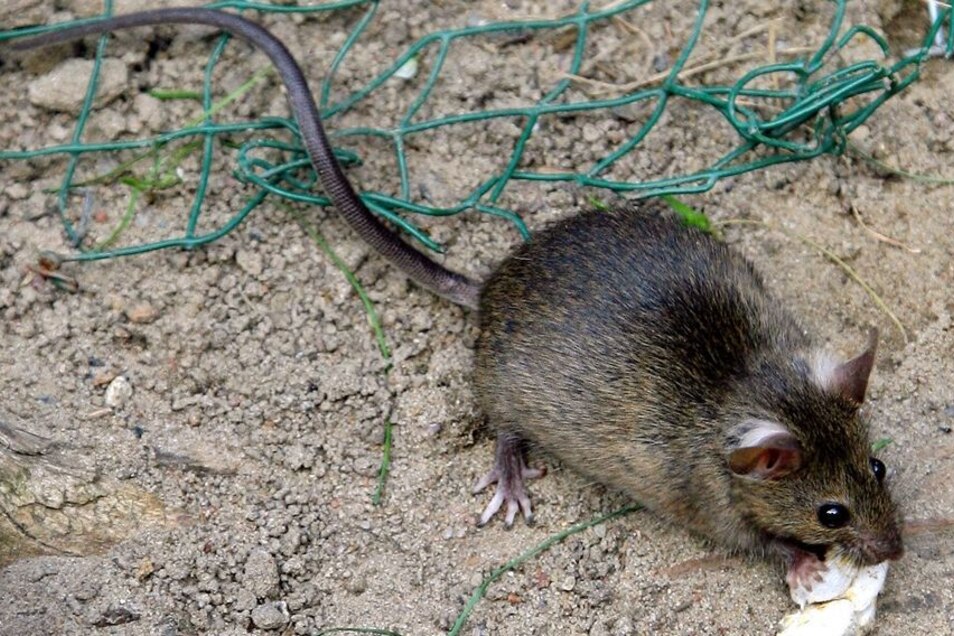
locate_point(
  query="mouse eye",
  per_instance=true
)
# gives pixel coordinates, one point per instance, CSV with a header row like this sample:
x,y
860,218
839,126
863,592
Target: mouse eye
x,y
832,515
877,467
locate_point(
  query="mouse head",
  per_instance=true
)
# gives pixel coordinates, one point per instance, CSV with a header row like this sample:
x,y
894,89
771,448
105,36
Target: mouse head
x,y
801,464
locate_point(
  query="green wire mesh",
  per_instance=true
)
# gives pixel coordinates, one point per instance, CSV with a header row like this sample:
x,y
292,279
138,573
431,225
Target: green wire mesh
x,y
812,115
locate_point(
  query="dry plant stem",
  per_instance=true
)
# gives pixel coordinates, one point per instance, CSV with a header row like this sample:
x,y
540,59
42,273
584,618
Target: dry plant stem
x,y
608,87
702,564
883,237
646,41
712,58
833,258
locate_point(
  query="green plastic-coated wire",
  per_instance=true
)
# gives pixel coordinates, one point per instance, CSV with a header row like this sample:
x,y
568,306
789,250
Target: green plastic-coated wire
x,y
816,110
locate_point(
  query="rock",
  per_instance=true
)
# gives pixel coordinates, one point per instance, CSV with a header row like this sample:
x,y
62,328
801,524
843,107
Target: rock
x,y
261,574
357,585
244,600
118,392
51,503
18,13
142,313
63,88
297,457
116,615
145,569
250,261
270,615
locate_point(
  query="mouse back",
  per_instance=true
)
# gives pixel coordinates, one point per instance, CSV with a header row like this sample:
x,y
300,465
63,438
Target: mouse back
x,y
642,291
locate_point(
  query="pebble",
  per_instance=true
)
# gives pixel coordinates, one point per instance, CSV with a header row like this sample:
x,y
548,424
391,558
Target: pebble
x,y
261,574
18,13
244,600
17,191
357,585
250,261
591,133
142,314
297,457
118,392
568,584
116,615
145,569
270,615
63,88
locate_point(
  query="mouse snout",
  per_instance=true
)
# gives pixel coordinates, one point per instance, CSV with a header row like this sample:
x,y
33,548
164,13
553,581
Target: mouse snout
x,y
886,546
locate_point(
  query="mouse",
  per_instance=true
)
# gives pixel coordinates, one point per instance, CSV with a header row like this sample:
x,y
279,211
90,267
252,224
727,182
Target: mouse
x,y
644,354
650,357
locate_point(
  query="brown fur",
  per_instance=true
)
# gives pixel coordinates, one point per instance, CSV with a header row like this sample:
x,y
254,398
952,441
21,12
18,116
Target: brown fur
x,y
635,350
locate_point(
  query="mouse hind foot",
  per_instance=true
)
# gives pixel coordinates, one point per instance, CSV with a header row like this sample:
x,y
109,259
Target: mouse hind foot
x,y
509,472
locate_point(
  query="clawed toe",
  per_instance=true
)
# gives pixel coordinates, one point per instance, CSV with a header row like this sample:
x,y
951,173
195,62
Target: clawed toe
x,y
509,472
492,507
517,501
490,478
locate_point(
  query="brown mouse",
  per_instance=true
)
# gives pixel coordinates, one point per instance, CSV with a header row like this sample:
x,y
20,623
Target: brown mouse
x,y
646,355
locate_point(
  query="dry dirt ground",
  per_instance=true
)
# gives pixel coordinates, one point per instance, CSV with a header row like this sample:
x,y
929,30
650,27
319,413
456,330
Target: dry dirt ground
x,y
252,436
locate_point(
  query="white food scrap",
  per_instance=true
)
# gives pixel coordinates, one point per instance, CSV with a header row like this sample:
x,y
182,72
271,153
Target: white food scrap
x,y
843,603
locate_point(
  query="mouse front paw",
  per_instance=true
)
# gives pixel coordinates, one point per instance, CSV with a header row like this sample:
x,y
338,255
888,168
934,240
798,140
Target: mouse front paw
x,y
812,580
509,472
805,570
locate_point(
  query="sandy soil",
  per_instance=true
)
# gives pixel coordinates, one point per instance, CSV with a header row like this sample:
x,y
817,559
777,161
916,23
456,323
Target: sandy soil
x,y
260,398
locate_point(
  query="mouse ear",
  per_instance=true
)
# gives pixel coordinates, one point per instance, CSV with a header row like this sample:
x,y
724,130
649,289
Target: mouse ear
x,y
850,379
764,450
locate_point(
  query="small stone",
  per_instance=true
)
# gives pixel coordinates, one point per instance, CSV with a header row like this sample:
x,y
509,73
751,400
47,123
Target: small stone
x,y
568,584
103,378
244,600
250,261
623,627
591,133
116,615
142,314
297,457
86,590
63,88
860,134
270,615
541,579
118,392
17,191
599,629
145,569
261,574
357,585
18,13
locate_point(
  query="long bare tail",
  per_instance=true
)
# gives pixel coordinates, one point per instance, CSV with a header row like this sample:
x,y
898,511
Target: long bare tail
x,y
425,272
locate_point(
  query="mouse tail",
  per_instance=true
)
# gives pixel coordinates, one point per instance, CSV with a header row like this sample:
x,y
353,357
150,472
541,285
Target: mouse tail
x,y
430,275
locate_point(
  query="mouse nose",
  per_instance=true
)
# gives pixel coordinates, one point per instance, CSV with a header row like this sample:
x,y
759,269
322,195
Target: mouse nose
x,y
883,547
